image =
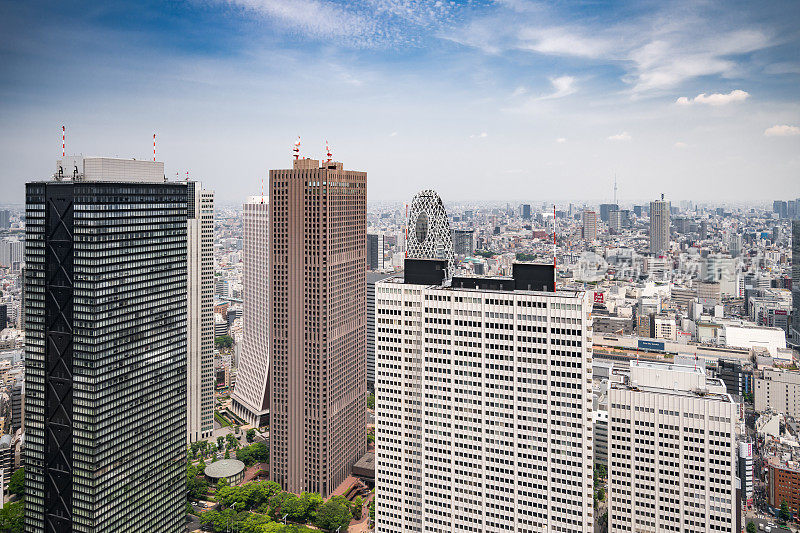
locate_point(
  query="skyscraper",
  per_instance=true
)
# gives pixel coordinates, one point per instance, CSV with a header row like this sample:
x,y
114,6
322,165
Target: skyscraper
x,y
375,250
200,312
250,398
429,235
5,219
105,353
372,279
659,226
483,404
672,451
589,225
464,241
606,209
526,211
317,324
796,280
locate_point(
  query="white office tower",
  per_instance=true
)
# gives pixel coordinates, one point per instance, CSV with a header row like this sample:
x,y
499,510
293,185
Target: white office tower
x,y
672,452
250,398
484,402
200,313
659,226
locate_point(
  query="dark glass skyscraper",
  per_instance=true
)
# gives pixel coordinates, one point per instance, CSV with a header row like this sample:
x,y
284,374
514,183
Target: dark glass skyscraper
x,y
796,279
105,355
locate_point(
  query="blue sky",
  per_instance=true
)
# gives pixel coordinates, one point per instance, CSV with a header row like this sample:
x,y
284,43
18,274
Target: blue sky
x,y
479,99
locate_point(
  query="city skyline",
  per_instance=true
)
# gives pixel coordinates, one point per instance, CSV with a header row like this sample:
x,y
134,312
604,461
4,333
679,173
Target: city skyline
x,y
493,95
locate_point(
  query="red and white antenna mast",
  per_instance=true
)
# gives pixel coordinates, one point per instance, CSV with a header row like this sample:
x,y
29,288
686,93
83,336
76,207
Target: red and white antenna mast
x,y
154,147
187,176
63,142
262,188
328,151
296,148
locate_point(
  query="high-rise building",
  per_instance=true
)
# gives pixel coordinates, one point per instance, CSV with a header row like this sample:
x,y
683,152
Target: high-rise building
x,y
464,241
105,352
375,251
372,279
483,403
780,207
526,211
3,316
796,280
318,315
200,309
606,209
5,219
672,451
429,235
615,222
250,398
659,226
589,225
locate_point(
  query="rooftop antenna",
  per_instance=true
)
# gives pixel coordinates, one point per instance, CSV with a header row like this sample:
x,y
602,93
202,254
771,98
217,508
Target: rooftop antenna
x,y
63,142
262,188
328,150
296,148
154,148
187,176
554,248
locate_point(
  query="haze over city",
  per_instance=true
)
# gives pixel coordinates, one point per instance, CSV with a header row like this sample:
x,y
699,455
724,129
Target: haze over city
x,y
485,100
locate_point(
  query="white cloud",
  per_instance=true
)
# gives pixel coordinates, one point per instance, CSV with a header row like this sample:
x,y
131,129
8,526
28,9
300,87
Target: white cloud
x,y
737,95
681,144
393,134
561,41
519,91
782,130
562,86
481,135
561,140
624,136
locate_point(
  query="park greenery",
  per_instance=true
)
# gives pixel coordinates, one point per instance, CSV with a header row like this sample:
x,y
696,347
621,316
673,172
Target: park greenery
x,y
370,401
12,515
223,342
257,452
485,253
525,257
262,507
250,435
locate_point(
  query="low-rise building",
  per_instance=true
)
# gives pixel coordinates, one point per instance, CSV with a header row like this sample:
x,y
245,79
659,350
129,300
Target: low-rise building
x,y
778,390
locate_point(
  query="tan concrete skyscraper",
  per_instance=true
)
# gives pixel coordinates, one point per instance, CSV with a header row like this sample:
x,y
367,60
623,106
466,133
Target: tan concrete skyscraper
x,y
318,230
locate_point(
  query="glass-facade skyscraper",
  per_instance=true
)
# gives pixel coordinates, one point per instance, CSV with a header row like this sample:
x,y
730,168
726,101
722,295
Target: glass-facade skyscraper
x,y
105,354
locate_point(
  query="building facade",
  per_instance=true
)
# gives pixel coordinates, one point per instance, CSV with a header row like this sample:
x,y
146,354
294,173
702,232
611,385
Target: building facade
x,y
672,452
796,282
659,226
484,407
200,313
318,315
372,279
589,225
105,353
778,390
250,397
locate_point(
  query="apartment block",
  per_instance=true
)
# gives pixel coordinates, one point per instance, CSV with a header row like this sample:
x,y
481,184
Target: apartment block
x,y
778,390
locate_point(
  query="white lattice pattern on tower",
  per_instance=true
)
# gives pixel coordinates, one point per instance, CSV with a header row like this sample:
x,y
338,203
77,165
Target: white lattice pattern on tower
x,y
429,235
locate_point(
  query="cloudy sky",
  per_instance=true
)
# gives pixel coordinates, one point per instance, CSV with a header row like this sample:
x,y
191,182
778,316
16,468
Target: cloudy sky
x,y
478,99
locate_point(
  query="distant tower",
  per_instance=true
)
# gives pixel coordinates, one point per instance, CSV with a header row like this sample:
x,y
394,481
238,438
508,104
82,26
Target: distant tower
x,y
589,225
659,226
429,235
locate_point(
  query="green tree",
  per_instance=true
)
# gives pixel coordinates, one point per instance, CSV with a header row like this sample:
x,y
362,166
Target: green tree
x,y
372,510
220,442
251,435
313,502
371,401
12,517
785,514
232,442
357,507
223,342
16,484
333,514
227,454
601,494
751,527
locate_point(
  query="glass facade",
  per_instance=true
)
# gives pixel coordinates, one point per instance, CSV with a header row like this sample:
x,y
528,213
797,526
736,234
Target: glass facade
x,y
105,357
